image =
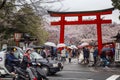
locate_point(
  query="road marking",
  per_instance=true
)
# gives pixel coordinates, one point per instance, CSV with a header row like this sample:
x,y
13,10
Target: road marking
x,y
113,77
6,79
75,72
61,78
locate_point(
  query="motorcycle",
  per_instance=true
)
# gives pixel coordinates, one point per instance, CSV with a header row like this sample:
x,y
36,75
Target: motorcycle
x,y
38,72
20,74
25,74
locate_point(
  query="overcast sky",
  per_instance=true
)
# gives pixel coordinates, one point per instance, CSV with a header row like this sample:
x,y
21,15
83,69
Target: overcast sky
x,y
85,5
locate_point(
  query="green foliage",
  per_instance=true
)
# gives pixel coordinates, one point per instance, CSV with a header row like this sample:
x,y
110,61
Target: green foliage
x,y
28,22
5,19
24,21
116,4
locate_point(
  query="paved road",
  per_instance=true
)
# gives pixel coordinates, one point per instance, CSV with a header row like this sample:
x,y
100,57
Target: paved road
x,y
75,71
70,75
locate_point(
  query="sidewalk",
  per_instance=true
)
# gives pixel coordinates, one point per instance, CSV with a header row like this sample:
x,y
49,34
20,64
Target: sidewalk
x,y
75,66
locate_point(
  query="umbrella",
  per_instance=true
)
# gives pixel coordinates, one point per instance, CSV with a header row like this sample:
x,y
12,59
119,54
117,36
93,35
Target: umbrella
x,y
106,49
80,46
61,45
84,44
73,46
69,47
50,44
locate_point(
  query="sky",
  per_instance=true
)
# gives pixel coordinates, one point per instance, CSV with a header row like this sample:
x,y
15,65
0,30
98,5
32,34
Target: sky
x,y
84,5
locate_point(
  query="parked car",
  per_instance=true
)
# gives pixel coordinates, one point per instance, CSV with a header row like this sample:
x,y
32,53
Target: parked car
x,y
48,65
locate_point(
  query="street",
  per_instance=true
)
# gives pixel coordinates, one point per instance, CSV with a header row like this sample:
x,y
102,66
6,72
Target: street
x,y
75,71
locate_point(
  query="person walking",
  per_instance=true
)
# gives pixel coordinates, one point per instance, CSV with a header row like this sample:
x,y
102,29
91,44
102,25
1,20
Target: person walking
x,y
104,59
46,53
95,56
74,53
63,55
53,53
86,53
69,55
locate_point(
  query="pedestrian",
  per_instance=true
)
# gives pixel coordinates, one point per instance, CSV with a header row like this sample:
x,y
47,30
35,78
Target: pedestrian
x,y
81,57
69,55
91,53
43,53
58,54
86,54
46,52
95,55
53,53
111,53
74,53
78,51
63,55
104,59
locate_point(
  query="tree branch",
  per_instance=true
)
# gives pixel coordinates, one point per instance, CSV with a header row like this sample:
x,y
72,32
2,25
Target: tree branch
x,y
3,3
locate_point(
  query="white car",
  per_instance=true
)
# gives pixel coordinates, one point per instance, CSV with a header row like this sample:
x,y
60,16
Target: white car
x,y
3,70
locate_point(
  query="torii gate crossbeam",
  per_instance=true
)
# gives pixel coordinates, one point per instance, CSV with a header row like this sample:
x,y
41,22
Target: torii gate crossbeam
x,y
98,21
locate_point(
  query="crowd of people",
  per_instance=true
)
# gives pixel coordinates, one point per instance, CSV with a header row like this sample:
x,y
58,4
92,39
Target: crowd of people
x,y
84,55
59,53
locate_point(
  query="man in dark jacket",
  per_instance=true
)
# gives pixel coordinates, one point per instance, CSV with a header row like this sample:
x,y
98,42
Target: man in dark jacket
x,y
104,59
95,55
11,61
86,54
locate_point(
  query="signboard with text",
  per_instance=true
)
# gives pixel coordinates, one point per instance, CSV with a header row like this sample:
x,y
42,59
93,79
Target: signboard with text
x,y
17,36
117,52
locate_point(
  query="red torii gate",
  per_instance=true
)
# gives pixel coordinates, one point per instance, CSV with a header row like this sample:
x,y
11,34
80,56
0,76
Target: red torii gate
x,y
98,21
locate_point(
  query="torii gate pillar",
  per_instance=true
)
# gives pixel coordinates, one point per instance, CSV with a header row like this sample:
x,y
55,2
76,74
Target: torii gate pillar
x,y
98,21
99,32
62,31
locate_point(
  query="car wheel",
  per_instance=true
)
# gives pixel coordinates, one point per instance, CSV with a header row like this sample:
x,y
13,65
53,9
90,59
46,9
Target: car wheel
x,y
3,76
53,73
45,69
16,78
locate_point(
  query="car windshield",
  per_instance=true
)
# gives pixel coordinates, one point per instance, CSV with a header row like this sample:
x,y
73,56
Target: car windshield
x,y
35,55
18,54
